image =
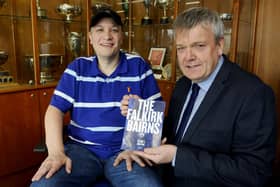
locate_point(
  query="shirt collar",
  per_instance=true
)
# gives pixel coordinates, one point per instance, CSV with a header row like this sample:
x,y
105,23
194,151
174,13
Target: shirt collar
x,y
122,66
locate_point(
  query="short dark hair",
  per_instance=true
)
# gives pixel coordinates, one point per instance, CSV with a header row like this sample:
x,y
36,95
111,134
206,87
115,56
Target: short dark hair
x,y
105,12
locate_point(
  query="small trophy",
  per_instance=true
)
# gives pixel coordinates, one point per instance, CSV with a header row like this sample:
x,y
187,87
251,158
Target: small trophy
x,y
70,11
74,40
146,19
163,4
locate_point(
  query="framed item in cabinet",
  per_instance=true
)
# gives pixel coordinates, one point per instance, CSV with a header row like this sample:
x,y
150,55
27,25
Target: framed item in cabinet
x,y
156,57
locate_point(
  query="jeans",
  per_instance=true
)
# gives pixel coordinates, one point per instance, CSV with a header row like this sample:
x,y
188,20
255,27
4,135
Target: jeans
x,y
87,169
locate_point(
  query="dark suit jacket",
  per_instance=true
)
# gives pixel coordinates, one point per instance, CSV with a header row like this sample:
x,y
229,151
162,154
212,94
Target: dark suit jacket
x,y
231,138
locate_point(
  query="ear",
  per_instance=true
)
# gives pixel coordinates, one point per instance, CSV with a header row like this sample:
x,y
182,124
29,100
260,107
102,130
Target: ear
x,y
90,37
220,46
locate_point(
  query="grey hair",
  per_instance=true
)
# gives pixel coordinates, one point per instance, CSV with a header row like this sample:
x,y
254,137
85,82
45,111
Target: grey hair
x,y
200,16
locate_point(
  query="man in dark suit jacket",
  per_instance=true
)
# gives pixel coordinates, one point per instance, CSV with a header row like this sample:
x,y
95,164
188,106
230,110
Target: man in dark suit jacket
x,y
230,136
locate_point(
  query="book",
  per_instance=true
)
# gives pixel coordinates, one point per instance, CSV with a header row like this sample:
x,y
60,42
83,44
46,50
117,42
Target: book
x,y
144,122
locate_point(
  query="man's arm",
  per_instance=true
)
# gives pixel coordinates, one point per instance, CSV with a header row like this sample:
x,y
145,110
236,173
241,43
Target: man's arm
x,y
54,140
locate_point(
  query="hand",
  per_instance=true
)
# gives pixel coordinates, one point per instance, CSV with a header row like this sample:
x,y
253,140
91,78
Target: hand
x,y
52,164
124,103
129,157
159,155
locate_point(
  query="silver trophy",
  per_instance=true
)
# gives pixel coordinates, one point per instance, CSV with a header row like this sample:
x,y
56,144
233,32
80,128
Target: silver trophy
x,y
74,40
69,11
146,19
163,4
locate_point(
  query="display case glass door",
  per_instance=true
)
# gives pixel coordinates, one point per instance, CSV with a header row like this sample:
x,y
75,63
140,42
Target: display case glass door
x,y
15,42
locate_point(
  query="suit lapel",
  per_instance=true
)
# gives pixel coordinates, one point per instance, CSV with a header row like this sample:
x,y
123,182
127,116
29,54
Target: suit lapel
x,y
209,100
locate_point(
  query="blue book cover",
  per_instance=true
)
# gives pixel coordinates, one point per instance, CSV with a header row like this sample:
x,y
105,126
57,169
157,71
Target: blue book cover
x,y
144,122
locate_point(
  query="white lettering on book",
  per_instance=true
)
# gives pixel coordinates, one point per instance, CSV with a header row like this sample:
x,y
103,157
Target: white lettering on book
x,y
144,119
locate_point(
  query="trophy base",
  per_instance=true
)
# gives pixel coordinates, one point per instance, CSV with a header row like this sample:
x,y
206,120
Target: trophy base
x,y
146,21
164,20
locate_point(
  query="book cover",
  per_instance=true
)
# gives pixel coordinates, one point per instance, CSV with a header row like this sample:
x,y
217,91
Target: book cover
x,y
144,122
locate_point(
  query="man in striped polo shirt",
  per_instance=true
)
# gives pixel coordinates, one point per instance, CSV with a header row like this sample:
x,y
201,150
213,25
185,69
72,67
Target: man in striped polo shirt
x,y
91,88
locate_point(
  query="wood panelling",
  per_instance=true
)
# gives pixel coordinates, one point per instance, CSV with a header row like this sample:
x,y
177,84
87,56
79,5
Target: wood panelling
x,y
20,131
21,121
267,54
166,89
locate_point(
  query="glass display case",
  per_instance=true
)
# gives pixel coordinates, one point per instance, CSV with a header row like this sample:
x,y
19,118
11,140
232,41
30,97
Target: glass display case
x,y
15,41
39,38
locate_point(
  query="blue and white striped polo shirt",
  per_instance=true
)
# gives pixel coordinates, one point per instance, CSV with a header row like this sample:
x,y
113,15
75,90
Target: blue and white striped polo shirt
x,y
94,100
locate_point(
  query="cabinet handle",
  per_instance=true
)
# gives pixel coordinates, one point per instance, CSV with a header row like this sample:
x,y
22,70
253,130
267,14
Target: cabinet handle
x,y
32,95
45,93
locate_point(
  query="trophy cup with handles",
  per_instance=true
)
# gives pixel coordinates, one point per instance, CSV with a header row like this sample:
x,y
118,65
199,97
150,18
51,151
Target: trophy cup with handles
x,y
69,11
146,19
164,5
